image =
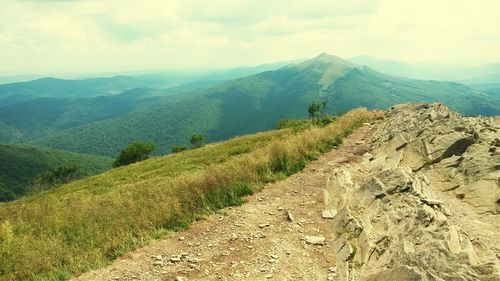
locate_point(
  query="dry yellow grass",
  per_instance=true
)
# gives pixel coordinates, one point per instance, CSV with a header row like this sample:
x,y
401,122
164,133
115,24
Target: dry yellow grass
x,y
87,224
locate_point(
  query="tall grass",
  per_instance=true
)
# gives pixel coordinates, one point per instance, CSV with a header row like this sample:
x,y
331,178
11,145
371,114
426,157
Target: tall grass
x,y
87,224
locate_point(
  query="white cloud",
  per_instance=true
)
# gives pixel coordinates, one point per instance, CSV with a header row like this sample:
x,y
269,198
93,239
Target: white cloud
x,y
99,36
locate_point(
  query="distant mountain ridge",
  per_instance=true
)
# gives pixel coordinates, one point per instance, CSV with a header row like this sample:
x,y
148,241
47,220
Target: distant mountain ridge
x,y
482,74
14,93
50,87
241,106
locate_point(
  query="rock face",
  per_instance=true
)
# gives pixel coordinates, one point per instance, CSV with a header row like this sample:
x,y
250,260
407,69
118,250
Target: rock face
x,y
424,204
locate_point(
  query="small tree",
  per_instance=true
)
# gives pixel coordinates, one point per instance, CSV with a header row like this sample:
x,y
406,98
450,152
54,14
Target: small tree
x,y
134,152
196,140
315,109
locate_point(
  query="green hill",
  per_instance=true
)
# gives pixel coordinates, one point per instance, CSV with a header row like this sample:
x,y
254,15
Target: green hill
x,y
45,116
20,164
14,93
373,89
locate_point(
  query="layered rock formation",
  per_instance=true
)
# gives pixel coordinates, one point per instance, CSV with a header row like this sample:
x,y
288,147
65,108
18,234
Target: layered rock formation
x,y
424,204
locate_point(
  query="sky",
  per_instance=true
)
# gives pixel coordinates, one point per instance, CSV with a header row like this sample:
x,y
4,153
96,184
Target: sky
x,y
96,36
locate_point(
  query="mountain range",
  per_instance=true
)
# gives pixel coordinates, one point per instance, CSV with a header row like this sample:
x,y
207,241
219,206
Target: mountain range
x,y
470,75
88,117
99,116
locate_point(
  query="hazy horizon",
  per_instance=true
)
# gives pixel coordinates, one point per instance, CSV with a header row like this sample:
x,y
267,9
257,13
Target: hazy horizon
x,y
85,37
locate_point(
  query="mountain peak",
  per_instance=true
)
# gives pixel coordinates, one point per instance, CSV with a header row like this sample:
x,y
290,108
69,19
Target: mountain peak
x,y
325,55
332,59
325,61
330,67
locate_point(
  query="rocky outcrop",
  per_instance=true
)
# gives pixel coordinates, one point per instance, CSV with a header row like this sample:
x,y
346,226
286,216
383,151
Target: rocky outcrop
x,y
424,204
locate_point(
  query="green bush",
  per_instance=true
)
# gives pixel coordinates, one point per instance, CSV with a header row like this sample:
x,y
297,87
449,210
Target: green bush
x,y
196,140
294,124
325,120
179,148
134,152
315,109
55,177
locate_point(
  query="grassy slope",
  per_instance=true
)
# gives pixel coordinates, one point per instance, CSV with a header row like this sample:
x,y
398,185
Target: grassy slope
x,y
86,224
21,163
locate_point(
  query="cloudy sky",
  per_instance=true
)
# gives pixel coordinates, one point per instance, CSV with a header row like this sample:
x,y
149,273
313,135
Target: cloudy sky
x,y
96,36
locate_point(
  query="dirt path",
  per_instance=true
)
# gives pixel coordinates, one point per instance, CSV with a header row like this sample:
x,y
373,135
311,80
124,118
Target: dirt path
x,y
262,239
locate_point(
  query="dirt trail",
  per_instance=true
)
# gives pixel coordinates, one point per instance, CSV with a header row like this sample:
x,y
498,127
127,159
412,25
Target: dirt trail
x,y
264,238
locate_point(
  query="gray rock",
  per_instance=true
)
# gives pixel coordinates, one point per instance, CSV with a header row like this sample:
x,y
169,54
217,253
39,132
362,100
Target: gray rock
x,y
175,258
443,146
374,185
408,247
346,253
344,220
354,227
338,244
403,273
453,240
315,240
421,153
432,202
158,263
328,214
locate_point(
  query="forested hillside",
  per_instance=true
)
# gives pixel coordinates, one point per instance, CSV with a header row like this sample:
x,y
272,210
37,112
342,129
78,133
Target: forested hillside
x,y
20,164
14,93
